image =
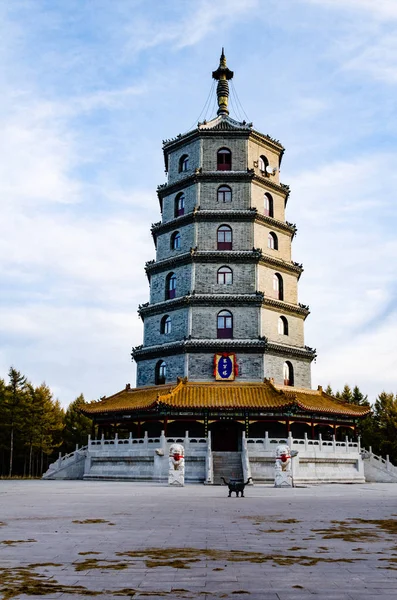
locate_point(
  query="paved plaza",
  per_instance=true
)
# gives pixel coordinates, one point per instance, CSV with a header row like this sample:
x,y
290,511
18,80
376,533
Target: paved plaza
x,y
75,539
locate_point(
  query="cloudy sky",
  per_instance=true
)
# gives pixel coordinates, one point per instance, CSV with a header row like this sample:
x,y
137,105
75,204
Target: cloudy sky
x,y
89,91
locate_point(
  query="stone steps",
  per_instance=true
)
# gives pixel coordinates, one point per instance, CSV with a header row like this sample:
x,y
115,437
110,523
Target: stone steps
x,y
227,465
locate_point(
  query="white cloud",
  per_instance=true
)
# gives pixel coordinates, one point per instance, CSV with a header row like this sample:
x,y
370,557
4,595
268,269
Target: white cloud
x,y
380,9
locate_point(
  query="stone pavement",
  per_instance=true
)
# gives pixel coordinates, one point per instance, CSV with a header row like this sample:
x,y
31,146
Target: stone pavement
x,y
75,539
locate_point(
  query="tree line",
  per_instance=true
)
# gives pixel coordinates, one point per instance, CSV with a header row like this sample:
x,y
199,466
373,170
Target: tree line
x,y
34,427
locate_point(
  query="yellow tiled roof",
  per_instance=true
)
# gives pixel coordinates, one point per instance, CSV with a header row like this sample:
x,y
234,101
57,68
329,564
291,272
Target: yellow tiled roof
x,y
214,395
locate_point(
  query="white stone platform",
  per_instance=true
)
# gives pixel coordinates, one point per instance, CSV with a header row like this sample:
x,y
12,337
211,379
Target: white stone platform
x,y
140,540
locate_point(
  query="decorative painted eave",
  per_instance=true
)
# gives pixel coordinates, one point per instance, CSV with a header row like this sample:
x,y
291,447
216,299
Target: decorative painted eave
x,y
279,305
198,214
221,256
166,189
148,309
207,396
194,345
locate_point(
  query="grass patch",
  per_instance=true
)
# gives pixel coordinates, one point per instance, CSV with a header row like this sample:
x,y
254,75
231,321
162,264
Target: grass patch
x,y
96,563
85,553
288,521
13,542
176,557
272,530
92,522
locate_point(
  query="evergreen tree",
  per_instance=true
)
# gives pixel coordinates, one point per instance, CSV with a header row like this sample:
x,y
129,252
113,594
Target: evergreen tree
x,y
15,396
328,390
346,394
77,426
359,398
386,425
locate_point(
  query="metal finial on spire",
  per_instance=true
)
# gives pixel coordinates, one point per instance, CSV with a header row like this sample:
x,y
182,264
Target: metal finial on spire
x,y
222,74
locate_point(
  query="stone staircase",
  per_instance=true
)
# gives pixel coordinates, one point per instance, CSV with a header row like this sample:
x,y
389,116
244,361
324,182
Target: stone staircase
x,y
227,465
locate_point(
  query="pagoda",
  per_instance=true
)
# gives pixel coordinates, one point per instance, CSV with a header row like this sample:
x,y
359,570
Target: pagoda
x,y
223,347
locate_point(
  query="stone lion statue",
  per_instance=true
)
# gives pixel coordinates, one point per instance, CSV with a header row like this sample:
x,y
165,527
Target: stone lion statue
x,y
282,468
176,465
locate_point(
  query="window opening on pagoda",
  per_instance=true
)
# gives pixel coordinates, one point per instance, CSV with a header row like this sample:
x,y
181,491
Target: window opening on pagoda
x,y
272,241
224,238
224,324
170,287
165,324
278,286
176,241
183,163
224,194
179,205
224,160
161,372
268,200
282,326
263,163
288,373
225,276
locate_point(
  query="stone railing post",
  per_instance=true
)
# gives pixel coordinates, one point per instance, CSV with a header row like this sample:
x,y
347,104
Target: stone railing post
x,y
209,472
266,440
359,443
320,439
145,440
306,444
186,442
290,440
59,459
116,439
130,439
163,441
102,440
245,458
387,463
347,444
89,440
334,443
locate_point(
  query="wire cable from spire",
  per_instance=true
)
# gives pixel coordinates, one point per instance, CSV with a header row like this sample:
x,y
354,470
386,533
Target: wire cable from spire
x,y
234,91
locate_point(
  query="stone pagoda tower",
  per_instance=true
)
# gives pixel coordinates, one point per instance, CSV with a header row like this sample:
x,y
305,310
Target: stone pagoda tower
x,y
223,288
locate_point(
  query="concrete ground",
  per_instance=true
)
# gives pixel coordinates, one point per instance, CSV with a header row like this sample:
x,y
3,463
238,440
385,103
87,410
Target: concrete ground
x,y
74,539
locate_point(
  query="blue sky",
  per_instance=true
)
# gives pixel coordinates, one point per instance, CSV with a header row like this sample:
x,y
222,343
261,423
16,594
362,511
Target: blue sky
x,y
90,90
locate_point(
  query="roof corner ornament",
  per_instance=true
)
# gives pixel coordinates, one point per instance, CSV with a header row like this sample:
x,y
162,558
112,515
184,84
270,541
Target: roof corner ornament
x,y
222,75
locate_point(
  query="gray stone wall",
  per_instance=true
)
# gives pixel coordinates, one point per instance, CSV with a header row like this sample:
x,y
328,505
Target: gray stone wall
x,y
242,234
237,146
169,202
257,149
269,328
265,283
164,242
261,235
241,192
179,327
146,369
193,150
201,367
206,278
274,369
257,200
158,283
245,321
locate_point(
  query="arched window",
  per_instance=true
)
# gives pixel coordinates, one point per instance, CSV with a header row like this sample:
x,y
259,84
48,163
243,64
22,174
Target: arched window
x,y
170,286
224,160
268,200
224,194
224,324
183,163
278,286
179,205
161,372
272,241
282,326
225,276
176,241
288,373
263,163
224,238
165,324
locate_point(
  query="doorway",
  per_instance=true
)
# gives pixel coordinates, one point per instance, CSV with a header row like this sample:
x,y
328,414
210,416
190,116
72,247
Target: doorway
x,y
226,436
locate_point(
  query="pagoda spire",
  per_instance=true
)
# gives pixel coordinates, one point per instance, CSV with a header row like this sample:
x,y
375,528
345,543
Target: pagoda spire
x,y
222,74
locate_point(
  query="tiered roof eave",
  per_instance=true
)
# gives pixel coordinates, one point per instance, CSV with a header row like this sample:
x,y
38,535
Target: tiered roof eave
x,y
202,396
